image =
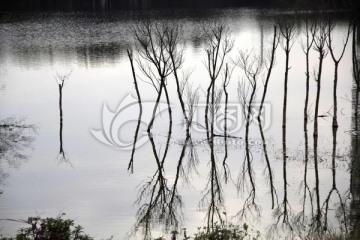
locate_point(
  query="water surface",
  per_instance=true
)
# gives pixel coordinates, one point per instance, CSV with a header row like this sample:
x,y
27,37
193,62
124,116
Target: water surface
x,y
66,169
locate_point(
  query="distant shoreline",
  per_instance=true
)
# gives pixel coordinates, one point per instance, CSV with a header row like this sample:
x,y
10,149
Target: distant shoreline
x,y
109,5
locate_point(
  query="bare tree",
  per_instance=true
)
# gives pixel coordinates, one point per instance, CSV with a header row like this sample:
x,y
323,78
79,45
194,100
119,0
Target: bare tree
x,y
252,67
213,198
269,67
158,58
61,79
172,41
160,205
219,45
288,34
336,62
320,47
310,31
193,98
131,162
226,81
335,124
150,39
356,73
213,194
334,189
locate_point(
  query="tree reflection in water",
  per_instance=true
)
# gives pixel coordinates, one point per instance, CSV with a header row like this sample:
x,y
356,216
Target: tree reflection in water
x,y
61,79
15,137
354,192
159,58
218,46
260,118
252,67
288,36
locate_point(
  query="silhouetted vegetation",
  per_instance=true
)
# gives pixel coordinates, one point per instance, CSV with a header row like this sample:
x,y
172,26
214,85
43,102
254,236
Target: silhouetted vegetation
x,y
320,47
16,137
159,57
61,79
72,5
288,36
50,228
252,67
131,59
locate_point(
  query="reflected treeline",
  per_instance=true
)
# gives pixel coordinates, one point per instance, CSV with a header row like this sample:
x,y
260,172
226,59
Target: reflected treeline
x,y
94,39
15,138
89,56
158,57
76,5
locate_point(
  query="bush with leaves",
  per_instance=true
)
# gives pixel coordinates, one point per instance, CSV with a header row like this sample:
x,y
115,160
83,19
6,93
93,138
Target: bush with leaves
x,y
50,228
230,232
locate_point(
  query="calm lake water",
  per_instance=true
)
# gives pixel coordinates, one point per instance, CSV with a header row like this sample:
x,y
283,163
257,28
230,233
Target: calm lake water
x,y
65,167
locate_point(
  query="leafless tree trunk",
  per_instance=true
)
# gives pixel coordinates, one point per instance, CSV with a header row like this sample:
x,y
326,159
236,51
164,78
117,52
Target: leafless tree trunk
x,y
150,39
252,68
356,74
335,189
310,37
131,163
158,203
288,33
227,77
61,79
213,194
335,127
218,47
320,47
269,70
61,151
157,47
336,62
172,42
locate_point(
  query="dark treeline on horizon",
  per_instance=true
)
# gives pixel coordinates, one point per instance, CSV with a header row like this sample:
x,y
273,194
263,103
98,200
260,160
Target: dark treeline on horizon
x,y
89,5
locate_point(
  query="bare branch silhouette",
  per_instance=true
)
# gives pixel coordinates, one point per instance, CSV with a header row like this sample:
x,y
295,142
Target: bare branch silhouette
x,y
150,38
61,79
219,45
288,36
275,43
310,32
252,67
131,162
320,47
336,62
